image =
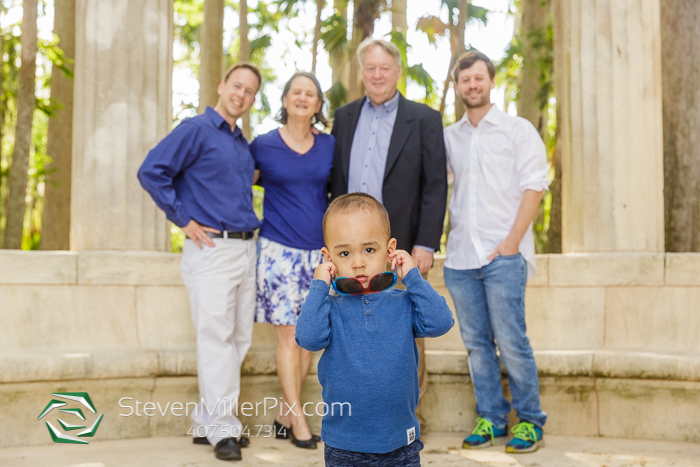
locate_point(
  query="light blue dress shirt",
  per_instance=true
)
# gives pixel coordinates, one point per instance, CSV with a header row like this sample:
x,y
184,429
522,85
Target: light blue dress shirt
x,y
370,147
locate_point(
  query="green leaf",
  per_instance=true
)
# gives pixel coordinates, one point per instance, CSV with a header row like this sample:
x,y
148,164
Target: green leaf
x,y
420,75
477,14
433,27
261,43
337,96
334,32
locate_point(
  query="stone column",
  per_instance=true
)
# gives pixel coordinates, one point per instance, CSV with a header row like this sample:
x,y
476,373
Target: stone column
x,y
122,108
608,87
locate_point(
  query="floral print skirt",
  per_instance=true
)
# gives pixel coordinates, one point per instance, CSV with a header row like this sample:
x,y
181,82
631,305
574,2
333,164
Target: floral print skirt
x,y
283,275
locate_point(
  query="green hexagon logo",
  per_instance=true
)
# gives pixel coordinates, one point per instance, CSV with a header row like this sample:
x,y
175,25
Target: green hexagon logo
x,y
59,436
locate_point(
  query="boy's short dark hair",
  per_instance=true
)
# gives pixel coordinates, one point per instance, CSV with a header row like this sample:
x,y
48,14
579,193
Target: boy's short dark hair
x,y
353,202
467,59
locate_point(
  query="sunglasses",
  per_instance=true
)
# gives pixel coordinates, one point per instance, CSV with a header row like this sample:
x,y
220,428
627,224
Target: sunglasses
x,y
378,282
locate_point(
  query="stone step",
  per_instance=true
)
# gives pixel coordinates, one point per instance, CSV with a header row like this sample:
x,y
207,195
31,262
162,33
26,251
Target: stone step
x,y
441,449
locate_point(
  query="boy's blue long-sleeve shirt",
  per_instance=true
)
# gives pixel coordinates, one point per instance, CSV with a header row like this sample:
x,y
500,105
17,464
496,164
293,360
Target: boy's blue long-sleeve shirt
x,y
371,360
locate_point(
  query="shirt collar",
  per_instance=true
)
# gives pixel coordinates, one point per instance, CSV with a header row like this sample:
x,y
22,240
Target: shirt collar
x,y
389,105
493,116
219,121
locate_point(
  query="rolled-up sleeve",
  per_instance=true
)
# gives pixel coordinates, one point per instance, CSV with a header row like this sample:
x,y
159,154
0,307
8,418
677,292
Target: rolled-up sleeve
x,y
531,159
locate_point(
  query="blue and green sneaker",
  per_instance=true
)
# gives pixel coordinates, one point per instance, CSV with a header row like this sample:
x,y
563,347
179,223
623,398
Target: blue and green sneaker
x,y
484,435
526,438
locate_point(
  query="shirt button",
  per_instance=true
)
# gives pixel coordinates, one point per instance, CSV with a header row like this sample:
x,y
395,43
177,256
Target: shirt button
x,y
366,302
367,312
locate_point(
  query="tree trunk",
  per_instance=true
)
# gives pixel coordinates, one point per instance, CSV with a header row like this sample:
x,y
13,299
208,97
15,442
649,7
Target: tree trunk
x,y
317,34
532,102
17,182
339,57
554,232
459,48
366,11
212,53
55,220
446,87
244,55
680,68
2,100
399,23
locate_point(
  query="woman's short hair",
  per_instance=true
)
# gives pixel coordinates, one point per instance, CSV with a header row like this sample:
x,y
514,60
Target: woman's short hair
x,y
389,47
318,116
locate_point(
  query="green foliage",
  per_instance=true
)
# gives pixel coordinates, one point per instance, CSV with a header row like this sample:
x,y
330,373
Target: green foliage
x,y
508,74
35,186
177,239
416,73
267,18
477,14
435,28
49,54
420,76
334,33
188,18
51,50
259,45
337,96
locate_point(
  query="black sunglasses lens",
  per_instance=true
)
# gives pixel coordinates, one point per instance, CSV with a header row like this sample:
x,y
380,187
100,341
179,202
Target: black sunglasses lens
x,y
348,286
381,282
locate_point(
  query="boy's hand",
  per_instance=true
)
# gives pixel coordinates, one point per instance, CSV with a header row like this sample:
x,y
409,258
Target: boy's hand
x,y
325,272
402,261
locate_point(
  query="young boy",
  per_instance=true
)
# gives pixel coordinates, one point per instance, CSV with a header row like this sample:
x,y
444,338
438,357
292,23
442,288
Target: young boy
x,y
369,370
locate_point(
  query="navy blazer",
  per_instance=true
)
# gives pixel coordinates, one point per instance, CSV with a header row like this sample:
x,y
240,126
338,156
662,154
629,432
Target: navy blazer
x,y
415,177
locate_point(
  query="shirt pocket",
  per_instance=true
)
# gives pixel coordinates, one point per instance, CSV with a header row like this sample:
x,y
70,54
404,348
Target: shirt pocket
x,y
497,170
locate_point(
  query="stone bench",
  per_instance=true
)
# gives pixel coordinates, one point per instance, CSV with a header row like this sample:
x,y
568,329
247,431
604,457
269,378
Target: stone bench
x,y
609,332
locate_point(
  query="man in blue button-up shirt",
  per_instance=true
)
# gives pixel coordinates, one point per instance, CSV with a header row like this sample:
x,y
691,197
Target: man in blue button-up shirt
x,y
201,176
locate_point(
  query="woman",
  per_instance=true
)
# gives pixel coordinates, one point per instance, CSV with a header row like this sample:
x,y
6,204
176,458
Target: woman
x,y
293,165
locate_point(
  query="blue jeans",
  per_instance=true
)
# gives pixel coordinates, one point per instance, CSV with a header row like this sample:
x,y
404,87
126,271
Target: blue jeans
x,y
490,305
405,456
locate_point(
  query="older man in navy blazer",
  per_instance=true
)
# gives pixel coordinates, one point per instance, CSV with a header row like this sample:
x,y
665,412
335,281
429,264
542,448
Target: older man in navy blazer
x,y
393,149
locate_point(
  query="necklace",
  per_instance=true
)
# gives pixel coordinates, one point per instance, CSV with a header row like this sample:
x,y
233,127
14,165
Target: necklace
x,y
299,142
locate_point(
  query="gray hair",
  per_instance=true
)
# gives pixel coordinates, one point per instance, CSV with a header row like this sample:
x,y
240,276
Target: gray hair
x,y
388,47
318,117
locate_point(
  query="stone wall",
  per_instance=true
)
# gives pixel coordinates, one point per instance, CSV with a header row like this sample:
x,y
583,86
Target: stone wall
x,y
615,338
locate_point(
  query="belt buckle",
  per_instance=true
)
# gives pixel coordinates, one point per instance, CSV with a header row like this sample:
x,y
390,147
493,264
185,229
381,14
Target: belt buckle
x,y
225,234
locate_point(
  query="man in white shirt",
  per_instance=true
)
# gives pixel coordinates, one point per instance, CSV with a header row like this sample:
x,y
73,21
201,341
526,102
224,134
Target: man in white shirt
x,y
499,165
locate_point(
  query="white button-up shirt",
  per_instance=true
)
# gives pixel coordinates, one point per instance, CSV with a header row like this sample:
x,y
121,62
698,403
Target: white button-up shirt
x,y
492,165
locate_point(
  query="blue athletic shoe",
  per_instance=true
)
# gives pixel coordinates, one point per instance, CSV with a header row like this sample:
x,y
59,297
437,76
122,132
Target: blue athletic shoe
x,y
484,435
526,438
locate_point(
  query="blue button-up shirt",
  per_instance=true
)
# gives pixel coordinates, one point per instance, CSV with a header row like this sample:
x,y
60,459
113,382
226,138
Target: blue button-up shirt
x,y
370,147
203,171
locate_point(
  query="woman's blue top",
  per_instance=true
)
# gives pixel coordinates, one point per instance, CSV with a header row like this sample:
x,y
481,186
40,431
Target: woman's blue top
x,y
296,194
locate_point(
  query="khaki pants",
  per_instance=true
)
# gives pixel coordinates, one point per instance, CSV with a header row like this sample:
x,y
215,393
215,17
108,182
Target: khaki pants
x,y
422,370
220,284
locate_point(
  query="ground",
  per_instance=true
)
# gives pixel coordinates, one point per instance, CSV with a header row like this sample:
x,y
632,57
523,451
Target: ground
x,y
440,450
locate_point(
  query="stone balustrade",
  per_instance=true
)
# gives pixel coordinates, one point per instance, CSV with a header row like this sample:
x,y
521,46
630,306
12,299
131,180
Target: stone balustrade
x,y
612,332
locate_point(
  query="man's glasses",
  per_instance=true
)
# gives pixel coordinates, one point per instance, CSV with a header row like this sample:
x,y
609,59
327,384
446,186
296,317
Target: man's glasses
x,y
352,286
